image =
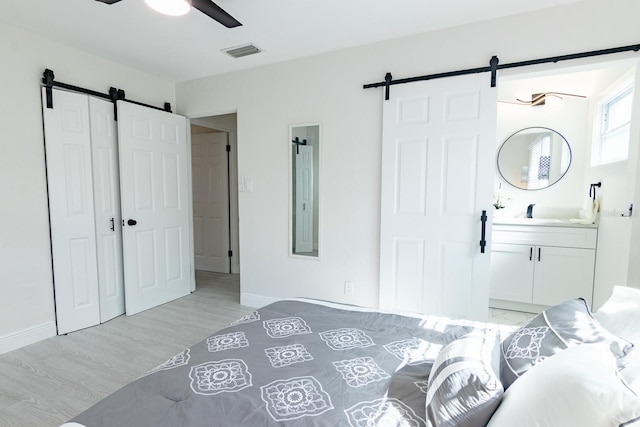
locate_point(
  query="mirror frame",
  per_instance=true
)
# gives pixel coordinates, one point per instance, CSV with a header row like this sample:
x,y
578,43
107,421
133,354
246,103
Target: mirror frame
x,y
291,207
517,132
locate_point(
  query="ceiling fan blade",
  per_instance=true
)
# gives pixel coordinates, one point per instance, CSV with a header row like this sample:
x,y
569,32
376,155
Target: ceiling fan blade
x,y
214,11
108,1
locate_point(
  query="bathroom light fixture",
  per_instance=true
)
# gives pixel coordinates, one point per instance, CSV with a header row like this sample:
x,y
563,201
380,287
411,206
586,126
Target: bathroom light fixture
x,y
170,7
540,98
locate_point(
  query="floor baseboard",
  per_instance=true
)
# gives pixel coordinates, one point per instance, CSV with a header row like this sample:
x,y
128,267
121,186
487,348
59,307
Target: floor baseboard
x,y
255,301
32,335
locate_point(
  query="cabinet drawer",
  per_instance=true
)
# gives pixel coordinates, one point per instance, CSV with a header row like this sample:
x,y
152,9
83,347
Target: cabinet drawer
x,y
569,237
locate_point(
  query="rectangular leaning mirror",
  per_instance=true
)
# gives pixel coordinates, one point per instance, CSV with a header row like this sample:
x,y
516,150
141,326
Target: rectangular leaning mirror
x,y
304,191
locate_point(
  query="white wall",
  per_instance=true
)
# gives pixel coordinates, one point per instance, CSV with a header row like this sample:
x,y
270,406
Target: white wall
x,y
618,236
26,287
328,88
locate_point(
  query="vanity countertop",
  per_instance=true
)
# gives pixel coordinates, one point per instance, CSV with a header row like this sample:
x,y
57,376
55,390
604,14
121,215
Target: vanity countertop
x,y
546,222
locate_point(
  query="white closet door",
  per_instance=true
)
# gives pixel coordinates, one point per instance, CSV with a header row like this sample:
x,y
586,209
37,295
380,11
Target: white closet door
x,y
437,176
154,189
106,191
211,202
304,198
69,180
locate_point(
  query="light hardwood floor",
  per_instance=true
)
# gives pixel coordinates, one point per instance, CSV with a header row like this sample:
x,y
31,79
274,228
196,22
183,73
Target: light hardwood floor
x,y
46,384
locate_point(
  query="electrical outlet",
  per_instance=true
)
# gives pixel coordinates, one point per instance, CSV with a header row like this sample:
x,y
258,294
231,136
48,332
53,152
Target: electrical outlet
x,y
348,288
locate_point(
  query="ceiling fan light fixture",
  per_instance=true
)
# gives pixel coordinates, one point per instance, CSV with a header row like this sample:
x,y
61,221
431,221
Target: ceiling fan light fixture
x,y
542,98
170,7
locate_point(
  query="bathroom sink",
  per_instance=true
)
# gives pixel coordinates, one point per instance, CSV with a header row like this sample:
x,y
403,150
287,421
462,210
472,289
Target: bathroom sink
x,y
531,221
548,216
558,222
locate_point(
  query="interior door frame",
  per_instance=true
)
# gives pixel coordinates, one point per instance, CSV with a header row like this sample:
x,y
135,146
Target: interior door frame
x,y
205,166
234,214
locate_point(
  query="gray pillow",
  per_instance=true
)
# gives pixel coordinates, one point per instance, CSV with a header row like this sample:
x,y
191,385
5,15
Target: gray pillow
x,y
555,329
464,388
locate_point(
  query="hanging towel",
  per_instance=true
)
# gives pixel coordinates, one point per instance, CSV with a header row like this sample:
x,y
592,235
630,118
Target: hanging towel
x,y
590,214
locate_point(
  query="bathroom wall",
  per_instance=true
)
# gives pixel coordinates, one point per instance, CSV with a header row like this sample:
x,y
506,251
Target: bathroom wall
x,y
567,116
617,232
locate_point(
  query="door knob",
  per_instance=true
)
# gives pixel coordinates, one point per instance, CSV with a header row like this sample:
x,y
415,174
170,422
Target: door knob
x,y
132,222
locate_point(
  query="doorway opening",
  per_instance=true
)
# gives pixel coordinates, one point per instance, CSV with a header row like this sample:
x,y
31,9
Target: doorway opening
x,y
215,194
574,109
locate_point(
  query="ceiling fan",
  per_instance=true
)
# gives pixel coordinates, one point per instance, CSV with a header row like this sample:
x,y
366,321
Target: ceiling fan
x,y
207,7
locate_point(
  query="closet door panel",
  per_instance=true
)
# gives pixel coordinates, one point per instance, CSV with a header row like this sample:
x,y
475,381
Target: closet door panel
x,y
71,210
155,187
108,220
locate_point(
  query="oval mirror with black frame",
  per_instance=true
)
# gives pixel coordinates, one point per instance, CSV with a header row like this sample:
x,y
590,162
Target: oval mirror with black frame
x,y
534,158
304,180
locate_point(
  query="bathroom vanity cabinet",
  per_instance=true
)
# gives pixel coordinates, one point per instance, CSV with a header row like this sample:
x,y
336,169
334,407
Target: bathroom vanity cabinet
x,y
537,266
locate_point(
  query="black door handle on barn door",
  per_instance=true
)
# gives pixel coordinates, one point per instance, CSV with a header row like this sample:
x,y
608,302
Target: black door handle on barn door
x,y
132,222
483,231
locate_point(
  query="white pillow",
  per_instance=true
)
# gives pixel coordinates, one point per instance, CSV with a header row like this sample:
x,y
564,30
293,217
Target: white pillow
x,y
579,386
620,315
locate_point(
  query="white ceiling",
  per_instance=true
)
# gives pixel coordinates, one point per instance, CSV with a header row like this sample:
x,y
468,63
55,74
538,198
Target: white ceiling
x,y
188,47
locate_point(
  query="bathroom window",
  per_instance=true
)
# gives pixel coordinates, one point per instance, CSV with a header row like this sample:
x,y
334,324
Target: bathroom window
x,y
539,162
612,144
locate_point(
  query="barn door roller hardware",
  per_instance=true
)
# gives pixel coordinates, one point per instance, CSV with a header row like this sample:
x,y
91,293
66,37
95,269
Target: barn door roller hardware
x,y
114,95
494,66
299,143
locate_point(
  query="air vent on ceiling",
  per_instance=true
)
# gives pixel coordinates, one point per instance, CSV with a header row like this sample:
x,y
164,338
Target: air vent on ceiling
x,y
240,51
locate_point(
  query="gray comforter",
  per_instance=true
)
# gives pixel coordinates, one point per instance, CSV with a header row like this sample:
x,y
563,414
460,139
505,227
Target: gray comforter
x,y
293,363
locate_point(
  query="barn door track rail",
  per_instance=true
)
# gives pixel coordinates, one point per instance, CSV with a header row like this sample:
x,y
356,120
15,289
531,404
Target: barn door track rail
x,y
114,95
494,66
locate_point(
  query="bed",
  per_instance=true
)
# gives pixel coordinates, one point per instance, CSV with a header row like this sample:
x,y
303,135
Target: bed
x,y
303,362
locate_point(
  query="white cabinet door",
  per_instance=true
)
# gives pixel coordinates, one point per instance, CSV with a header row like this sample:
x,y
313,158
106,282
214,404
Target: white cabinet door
x,y
437,177
512,272
154,183
210,202
562,274
106,201
71,213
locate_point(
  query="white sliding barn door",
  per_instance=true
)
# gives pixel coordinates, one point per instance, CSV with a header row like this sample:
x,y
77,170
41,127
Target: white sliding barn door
x,y
154,187
108,221
437,177
304,198
71,214
211,202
